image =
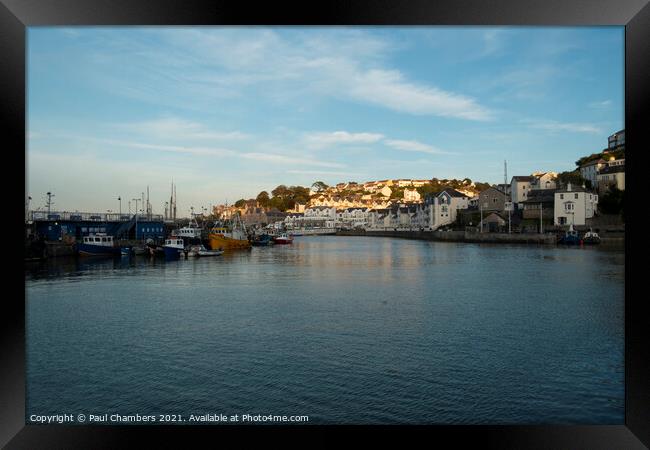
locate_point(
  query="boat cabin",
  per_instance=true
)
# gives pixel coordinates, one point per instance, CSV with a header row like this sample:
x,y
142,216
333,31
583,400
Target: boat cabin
x,y
174,242
188,232
101,239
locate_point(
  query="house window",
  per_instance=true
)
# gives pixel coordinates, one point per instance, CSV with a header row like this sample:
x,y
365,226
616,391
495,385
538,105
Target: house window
x,y
561,196
568,206
576,195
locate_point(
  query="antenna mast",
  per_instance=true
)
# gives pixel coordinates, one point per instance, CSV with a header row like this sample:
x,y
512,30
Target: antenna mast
x,y
49,202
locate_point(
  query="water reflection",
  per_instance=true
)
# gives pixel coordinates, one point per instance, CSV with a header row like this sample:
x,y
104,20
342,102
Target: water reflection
x,y
344,329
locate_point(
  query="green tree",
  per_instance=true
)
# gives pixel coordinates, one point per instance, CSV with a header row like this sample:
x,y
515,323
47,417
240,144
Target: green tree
x,y
319,186
280,191
240,203
572,177
612,201
263,199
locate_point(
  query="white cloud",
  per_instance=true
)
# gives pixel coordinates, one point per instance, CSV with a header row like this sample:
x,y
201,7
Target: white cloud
x,y
413,146
601,104
219,152
390,89
554,126
175,128
198,66
319,140
323,172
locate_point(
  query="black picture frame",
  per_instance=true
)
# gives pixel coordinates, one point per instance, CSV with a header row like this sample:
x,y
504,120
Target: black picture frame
x,y
16,15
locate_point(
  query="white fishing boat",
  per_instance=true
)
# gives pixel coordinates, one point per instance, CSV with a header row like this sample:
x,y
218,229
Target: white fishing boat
x,y
205,252
190,233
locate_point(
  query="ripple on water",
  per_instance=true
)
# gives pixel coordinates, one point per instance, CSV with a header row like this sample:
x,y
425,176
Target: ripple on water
x,y
345,330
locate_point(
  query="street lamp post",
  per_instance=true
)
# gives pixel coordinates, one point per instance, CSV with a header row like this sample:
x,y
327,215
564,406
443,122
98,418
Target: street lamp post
x,y
119,199
541,225
136,200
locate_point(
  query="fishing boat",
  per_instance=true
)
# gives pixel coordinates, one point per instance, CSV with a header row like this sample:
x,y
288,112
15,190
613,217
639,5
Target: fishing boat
x,y
262,240
283,238
570,237
97,244
591,237
205,252
191,234
229,236
173,247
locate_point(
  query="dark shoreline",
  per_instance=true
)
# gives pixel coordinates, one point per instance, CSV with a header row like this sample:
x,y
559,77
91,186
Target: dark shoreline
x,y
471,237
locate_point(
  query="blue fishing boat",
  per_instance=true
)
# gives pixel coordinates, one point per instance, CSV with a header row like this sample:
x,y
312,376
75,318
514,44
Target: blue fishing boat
x,y
97,244
570,237
173,247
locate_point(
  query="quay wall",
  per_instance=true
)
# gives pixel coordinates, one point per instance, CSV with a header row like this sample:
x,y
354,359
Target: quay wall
x,y
460,236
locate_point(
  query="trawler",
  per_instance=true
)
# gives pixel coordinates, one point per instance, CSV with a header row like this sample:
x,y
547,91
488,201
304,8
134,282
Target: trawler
x,y
229,236
191,234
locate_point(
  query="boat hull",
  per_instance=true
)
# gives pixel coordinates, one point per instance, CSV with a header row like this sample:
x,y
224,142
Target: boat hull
x,y
569,241
95,250
203,253
282,241
172,252
219,241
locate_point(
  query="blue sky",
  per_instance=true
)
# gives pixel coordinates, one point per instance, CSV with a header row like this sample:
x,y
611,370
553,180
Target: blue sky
x,y
229,111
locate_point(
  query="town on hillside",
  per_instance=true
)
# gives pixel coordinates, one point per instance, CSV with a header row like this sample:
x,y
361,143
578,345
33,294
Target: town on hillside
x,y
589,196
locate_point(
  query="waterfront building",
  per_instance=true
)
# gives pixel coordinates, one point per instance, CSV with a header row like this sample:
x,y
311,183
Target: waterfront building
x,y
379,218
73,226
492,199
313,217
351,218
443,207
401,217
539,198
519,188
574,205
493,223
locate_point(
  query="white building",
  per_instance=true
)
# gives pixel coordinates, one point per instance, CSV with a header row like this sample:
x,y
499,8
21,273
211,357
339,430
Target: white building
x,y
442,208
411,195
378,219
574,205
351,218
589,170
544,180
519,187
611,176
314,217
386,191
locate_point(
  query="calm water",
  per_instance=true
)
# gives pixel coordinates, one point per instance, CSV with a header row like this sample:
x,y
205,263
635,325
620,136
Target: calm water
x,y
342,329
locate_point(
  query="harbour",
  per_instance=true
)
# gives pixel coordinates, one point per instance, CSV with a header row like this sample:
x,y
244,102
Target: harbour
x,y
373,226
345,329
